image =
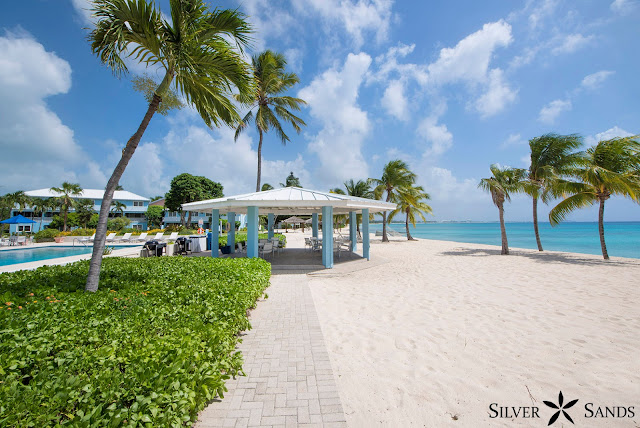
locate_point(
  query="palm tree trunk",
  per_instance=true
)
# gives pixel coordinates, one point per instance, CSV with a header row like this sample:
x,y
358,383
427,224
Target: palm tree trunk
x,y
358,226
182,218
64,226
189,219
101,231
503,231
601,229
406,223
535,222
259,160
384,221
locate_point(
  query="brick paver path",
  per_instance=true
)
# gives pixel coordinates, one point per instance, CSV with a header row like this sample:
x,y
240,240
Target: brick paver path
x,y
289,380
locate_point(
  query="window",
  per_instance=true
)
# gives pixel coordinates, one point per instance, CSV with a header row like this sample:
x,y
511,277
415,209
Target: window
x,y
138,204
24,228
137,226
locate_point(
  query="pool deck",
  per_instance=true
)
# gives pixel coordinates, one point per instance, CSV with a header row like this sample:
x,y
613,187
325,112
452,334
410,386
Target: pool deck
x,y
132,250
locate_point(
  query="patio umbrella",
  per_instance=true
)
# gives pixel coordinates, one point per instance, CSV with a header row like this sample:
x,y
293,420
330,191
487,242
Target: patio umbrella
x,y
18,219
294,220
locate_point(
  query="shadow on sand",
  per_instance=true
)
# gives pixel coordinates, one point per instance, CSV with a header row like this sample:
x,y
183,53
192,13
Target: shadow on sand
x,y
543,257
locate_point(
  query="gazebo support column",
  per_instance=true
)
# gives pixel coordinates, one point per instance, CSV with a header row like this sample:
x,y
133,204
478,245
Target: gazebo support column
x,y
327,237
252,232
270,218
314,225
352,230
365,234
215,220
231,236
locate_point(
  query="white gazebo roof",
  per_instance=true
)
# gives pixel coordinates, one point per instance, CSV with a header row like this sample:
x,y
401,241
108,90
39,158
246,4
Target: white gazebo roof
x,y
290,200
88,194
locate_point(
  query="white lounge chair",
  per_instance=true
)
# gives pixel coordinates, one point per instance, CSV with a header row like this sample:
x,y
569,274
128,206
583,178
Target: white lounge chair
x,y
172,237
159,236
22,240
111,237
142,237
4,242
126,237
86,239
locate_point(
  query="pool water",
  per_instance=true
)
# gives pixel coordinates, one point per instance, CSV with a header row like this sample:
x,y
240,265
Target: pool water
x,y
26,255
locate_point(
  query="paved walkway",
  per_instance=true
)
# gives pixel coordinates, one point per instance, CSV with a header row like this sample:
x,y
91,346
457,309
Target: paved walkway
x,y
289,380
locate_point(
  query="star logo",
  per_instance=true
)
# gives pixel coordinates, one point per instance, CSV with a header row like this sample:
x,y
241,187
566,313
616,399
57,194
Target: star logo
x,y
560,409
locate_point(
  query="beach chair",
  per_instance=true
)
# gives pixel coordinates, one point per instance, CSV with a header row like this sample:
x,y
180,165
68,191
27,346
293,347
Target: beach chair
x,y
86,239
22,240
111,237
126,237
172,237
159,236
308,243
4,242
241,248
142,237
266,249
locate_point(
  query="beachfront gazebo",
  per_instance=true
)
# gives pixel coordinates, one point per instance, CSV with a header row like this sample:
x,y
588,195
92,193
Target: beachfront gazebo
x,y
293,201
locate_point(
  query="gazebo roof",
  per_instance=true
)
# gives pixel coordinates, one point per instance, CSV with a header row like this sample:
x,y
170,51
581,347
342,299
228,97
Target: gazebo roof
x,y
290,200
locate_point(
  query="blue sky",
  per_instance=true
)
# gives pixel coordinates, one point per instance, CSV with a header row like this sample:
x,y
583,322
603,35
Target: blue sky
x,y
450,87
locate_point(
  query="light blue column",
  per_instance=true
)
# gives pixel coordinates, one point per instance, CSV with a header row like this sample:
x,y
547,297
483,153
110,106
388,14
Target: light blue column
x,y
365,233
270,218
327,237
231,236
252,232
314,225
353,219
215,219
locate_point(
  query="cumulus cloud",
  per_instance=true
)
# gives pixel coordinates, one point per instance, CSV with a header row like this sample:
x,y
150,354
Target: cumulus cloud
x,y
395,101
571,43
513,140
497,96
539,11
623,7
436,134
469,59
333,100
551,111
614,132
594,80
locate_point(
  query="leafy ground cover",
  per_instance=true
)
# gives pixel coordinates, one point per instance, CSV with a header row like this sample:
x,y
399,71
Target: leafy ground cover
x,y
150,348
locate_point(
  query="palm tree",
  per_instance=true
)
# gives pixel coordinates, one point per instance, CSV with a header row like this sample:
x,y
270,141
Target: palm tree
x,y
40,205
612,167
410,203
360,189
395,176
10,200
118,207
201,54
503,182
84,211
65,200
265,187
552,157
271,80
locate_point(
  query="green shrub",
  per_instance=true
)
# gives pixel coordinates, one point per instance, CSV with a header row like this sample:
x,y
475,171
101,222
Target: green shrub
x,y
150,348
118,223
46,235
82,232
242,237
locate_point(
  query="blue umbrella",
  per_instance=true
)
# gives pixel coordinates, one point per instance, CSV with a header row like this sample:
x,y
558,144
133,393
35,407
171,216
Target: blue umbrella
x,y
18,219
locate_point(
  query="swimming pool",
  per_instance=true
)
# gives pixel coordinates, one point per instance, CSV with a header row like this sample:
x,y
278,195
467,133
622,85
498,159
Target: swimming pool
x,y
26,255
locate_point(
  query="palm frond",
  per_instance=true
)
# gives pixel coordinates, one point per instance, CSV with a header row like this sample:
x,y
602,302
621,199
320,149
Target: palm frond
x,y
566,206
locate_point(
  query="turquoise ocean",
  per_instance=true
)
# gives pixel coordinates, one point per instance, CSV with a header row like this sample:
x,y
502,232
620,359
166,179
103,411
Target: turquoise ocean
x,y
622,238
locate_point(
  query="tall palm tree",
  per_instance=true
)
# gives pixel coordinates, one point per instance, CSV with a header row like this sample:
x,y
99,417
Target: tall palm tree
x,y
360,189
271,81
552,157
66,201
40,205
395,176
10,200
611,167
410,203
503,182
201,54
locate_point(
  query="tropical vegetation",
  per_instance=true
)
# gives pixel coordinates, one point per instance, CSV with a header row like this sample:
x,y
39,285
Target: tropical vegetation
x,y
65,200
270,105
201,53
409,202
501,184
152,347
186,188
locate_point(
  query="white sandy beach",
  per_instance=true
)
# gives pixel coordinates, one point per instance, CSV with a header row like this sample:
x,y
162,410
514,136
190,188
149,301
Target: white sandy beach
x,y
440,330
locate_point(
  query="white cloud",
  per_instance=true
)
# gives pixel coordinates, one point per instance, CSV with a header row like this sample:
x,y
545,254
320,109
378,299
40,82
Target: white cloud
x,y
83,9
624,7
436,134
594,80
332,98
513,140
469,59
610,133
294,59
497,96
541,10
571,43
551,111
387,64
394,100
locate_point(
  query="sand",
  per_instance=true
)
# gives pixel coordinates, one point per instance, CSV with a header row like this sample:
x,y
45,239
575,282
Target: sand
x,y
441,330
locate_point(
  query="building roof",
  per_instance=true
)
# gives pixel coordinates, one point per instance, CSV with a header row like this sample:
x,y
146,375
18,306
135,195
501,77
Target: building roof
x,y
159,202
121,195
290,200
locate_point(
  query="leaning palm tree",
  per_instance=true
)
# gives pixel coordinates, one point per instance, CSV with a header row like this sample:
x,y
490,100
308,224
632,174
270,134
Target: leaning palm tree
x,y
201,54
503,182
395,176
552,157
65,199
271,81
612,167
360,189
409,200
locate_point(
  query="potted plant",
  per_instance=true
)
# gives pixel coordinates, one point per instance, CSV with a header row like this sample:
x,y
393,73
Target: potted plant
x,y
59,239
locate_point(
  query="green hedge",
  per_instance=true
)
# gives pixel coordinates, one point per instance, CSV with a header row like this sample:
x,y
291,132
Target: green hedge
x,y
242,237
150,348
46,235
